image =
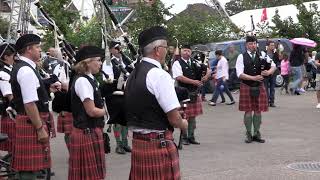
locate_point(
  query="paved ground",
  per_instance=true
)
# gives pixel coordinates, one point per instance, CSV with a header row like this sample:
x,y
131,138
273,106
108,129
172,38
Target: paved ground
x,y
291,131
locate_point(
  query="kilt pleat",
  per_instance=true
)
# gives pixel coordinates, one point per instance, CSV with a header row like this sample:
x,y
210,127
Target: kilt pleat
x,y
8,126
248,103
194,109
87,157
64,124
29,154
151,162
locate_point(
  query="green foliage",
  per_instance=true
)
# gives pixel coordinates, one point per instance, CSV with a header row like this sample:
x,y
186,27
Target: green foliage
x,y
148,16
87,34
64,19
4,25
188,29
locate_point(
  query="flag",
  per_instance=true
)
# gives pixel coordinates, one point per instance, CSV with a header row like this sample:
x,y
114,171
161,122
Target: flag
x,y
264,16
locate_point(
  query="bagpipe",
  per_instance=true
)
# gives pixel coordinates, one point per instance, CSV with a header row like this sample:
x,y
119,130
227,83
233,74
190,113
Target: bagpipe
x,y
198,59
63,44
130,46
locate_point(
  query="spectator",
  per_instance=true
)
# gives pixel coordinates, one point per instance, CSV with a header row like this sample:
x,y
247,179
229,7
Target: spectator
x,y
285,72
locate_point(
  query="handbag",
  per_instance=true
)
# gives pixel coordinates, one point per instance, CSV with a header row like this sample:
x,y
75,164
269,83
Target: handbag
x,y
255,91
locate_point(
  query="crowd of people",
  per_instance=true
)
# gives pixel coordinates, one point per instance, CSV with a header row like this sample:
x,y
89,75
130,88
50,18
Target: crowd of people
x,y
93,95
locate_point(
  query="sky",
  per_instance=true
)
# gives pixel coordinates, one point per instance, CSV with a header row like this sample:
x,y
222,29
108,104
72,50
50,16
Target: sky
x,y
180,5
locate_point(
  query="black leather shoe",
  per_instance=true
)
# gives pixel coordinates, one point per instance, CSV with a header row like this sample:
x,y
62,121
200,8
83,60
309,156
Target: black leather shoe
x,y
257,138
120,150
248,138
193,141
127,148
185,141
272,105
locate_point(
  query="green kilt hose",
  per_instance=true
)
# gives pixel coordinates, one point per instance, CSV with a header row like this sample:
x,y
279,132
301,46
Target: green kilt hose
x,y
64,122
248,103
194,109
29,154
151,161
8,126
87,157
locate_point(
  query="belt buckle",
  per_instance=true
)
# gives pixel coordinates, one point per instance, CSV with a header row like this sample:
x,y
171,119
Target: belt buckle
x,y
163,144
87,131
161,136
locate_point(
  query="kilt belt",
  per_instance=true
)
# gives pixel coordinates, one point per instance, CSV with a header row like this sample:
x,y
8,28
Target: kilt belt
x,y
162,137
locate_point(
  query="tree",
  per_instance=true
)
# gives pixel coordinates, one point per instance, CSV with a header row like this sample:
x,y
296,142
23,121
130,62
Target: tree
x,y
64,19
4,25
308,25
188,29
147,16
87,34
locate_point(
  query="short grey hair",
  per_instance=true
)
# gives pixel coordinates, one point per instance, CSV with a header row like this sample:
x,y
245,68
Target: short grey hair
x,y
151,46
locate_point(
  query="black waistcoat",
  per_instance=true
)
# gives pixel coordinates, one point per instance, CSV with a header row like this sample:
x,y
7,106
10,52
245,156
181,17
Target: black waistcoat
x,y
251,68
189,72
4,101
81,119
142,107
42,103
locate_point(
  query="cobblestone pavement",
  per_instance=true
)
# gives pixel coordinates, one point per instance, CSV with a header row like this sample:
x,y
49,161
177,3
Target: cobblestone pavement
x,y
291,131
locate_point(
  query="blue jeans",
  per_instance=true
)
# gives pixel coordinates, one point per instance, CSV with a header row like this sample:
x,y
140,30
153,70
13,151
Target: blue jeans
x,y
219,91
297,77
270,83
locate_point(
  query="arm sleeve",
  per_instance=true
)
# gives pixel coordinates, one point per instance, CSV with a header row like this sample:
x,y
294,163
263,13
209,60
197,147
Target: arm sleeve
x,y
108,70
5,86
176,70
29,84
160,84
239,65
83,89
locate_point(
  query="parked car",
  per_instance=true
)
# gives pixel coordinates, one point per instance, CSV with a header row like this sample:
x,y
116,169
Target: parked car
x,y
231,50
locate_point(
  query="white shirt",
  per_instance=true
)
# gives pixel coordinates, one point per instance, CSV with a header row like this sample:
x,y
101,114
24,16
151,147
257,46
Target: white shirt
x,y
28,81
108,69
160,84
223,68
60,72
5,86
240,65
83,88
177,69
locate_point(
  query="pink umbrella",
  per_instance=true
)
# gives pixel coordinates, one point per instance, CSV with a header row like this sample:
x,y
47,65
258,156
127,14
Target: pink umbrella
x,y
303,42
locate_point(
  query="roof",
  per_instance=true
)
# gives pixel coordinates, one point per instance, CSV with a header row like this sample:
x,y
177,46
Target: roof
x,y
243,20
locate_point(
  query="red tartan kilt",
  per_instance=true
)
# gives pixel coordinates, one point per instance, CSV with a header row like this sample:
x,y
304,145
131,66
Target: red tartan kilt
x,y
194,109
65,123
248,103
29,154
87,157
150,161
8,126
